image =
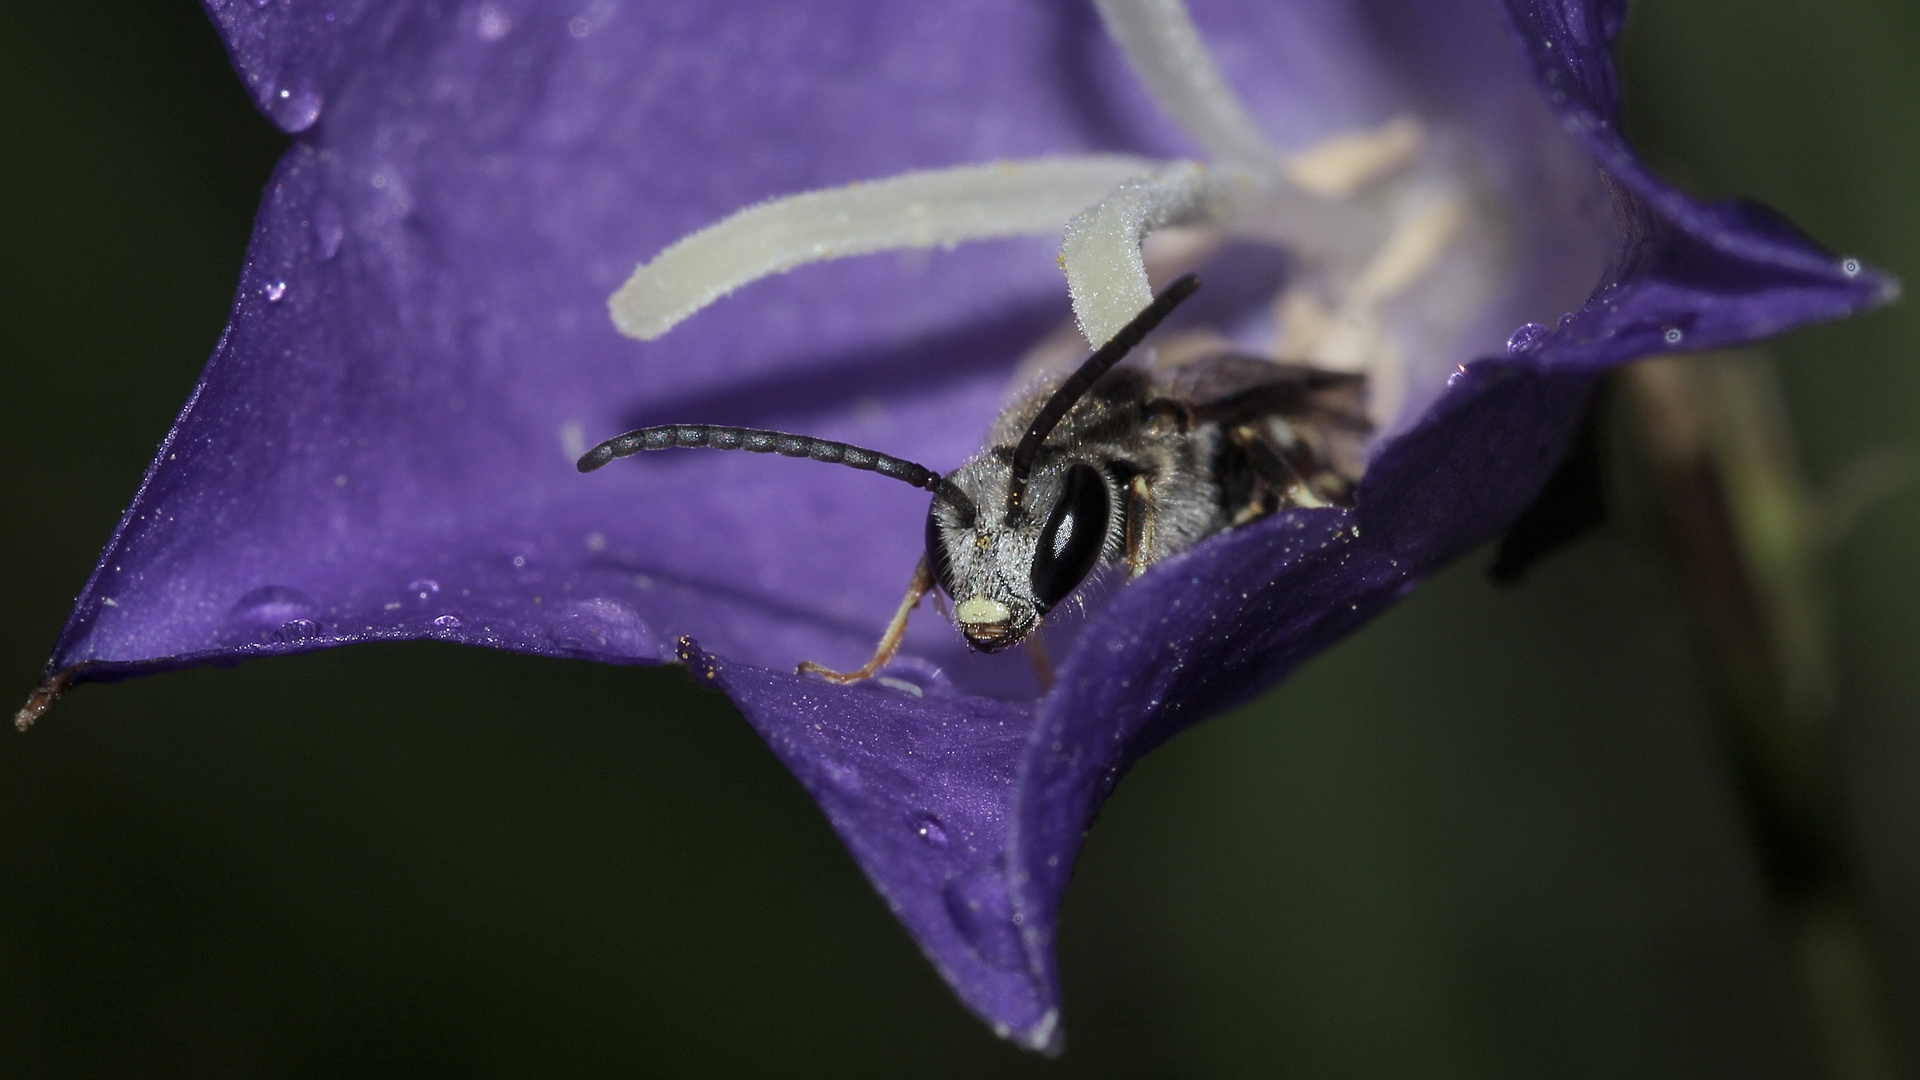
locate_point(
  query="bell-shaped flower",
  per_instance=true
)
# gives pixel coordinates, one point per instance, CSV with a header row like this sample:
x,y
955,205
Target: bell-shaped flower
x,y
1432,194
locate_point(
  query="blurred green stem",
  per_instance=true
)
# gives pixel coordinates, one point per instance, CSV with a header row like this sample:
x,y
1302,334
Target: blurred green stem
x,y
1751,546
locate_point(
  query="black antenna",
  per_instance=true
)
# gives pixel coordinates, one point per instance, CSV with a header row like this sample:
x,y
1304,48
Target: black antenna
x,y
759,441
1077,385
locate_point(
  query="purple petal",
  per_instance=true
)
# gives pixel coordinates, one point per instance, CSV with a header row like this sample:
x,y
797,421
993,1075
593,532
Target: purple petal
x,y
917,785
382,445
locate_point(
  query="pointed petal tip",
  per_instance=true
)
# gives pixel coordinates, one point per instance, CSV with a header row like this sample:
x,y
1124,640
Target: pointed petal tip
x,y
37,704
44,696
1046,1037
1890,288
916,785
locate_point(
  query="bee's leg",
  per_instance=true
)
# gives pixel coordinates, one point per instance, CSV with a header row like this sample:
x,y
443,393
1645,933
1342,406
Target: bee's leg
x,y
1139,526
1042,663
921,585
1332,488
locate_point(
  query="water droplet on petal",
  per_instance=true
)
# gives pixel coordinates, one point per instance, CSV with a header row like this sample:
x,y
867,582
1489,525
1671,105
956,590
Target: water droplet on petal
x,y
493,24
1673,336
262,614
423,587
901,685
603,627
295,105
447,622
296,630
842,777
982,911
275,291
329,230
928,828
1527,338
1850,267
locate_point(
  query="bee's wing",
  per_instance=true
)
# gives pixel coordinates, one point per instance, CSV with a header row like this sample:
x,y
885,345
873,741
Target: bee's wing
x,y
1236,388
1324,410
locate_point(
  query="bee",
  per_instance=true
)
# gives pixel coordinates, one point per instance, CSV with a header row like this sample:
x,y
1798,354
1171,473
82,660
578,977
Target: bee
x,y
1110,466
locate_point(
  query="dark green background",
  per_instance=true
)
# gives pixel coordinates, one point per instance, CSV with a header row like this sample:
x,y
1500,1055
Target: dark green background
x,y
1489,836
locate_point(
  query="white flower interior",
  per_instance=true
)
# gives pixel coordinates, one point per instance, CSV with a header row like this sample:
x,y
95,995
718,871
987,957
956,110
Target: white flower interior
x,y
1392,255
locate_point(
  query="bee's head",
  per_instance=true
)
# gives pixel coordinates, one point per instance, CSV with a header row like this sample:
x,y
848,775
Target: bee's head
x,y
1041,526
1005,572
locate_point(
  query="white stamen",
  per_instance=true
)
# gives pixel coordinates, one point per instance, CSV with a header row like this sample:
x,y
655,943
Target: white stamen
x,y
1357,337
1101,250
1107,276
936,207
1378,246
1417,241
1165,50
1337,166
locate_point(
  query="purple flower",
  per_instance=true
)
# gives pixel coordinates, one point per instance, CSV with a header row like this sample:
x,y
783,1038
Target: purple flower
x,y
382,446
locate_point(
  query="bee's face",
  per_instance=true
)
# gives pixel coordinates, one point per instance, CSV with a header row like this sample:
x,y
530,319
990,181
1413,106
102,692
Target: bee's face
x,y
1004,578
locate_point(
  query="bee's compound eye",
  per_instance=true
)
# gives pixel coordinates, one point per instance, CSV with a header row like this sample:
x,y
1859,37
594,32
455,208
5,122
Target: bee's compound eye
x,y
1075,532
937,556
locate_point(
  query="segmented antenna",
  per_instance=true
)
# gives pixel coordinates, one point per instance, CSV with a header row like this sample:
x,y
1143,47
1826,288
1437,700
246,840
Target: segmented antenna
x,y
1077,385
759,441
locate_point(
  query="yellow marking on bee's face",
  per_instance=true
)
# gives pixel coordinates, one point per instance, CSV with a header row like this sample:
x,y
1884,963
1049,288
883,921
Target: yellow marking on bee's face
x,y
980,611
983,541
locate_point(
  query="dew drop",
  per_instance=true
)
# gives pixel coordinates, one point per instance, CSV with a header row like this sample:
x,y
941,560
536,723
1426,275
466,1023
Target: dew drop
x,y
447,622
928,828
982,911
1850,267
1527,338
329,230
295,106
296,630
843,778
266,613
493,24
423,587
901,685
1673,336
275,291
605,628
